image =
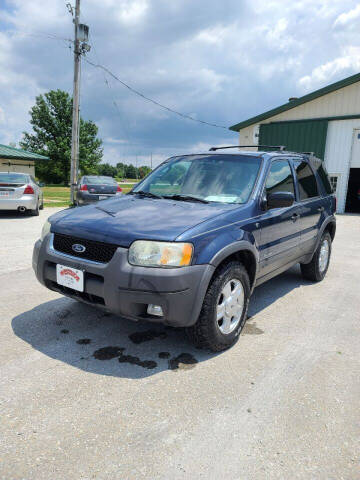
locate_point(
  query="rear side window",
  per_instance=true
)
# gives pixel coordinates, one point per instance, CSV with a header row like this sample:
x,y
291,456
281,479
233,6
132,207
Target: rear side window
x,y
280,178
306,180
321,171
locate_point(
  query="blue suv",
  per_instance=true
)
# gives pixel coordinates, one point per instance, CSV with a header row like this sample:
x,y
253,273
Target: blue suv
x,y
188,245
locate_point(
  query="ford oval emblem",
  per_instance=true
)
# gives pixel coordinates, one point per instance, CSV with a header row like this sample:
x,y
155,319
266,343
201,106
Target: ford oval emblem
x,y
78,248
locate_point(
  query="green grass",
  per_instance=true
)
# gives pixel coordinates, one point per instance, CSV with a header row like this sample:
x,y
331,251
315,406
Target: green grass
x,y
56,196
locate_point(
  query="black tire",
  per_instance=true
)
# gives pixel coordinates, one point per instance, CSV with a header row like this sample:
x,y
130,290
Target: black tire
x,y
42,205
311,271
35,212
206,331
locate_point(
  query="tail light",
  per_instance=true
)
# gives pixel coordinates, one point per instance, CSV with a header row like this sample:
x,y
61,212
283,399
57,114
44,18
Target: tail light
x,y
29,190
118,189
83,188
358,192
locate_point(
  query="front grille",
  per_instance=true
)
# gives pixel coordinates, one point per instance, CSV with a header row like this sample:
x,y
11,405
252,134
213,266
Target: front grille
x,y
95,251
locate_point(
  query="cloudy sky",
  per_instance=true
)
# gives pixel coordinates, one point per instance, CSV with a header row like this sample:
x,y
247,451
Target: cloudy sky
x,y
220,61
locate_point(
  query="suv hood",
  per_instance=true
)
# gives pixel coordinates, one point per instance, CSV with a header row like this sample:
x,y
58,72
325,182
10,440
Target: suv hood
x,y
121,221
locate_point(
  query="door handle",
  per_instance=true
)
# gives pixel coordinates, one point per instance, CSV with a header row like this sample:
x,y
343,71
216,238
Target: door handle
x,y
295,217
320,209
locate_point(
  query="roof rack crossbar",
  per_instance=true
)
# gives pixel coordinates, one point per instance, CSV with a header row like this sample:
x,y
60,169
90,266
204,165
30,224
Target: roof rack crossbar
x,y
276,147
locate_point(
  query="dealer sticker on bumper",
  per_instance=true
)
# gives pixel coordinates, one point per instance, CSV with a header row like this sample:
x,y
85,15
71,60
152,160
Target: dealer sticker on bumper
x,y
70,277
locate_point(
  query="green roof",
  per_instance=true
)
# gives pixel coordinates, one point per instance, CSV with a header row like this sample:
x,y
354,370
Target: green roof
x,y
299,101
11,152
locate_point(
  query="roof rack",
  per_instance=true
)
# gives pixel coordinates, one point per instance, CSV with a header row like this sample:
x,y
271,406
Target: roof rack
x,y
276,147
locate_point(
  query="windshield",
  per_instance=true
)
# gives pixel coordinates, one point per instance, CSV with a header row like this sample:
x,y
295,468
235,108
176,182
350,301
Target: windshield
x,y
13,178
213,178
99,180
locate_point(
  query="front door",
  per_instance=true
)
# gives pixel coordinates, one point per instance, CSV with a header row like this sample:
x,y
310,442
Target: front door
x,y
280,230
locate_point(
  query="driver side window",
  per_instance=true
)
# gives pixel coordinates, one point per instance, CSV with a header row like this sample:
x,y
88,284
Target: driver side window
x,y
280,178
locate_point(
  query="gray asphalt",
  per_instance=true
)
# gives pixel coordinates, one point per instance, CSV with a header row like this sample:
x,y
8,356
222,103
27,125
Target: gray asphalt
x,y
282,404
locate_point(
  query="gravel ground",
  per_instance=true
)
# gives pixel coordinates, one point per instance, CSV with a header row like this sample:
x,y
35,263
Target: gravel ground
x,y
85,395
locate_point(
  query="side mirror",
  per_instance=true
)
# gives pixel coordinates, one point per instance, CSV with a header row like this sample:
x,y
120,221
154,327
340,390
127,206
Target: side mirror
x,y
280,200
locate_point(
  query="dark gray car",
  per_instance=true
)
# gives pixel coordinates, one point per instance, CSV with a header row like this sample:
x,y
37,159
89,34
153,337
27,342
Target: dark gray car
x,y
92,188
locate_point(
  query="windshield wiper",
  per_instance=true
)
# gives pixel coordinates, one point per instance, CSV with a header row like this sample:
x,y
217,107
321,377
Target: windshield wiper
x,y
145,194
189,198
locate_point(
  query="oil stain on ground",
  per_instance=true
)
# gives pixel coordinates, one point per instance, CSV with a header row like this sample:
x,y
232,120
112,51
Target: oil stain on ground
x,y
146,336
164,354
83,341
184,361
107,353
64,330
251,329
149,364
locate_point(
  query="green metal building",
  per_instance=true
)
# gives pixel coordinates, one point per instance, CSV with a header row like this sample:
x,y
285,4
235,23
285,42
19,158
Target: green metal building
x,y
326,122
18,160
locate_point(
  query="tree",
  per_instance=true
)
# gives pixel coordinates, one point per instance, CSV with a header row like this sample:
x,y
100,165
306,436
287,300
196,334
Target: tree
x,y
51,120
107,170
121,169
143,171
130,171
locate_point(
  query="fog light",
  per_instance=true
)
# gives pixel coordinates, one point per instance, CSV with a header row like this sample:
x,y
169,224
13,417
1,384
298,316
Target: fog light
x,y
154,310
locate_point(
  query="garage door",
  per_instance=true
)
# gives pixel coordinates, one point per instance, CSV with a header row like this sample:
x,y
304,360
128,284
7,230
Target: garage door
x,y
297,136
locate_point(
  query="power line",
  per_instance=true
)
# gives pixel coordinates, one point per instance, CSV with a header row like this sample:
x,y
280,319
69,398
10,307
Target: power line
x,y
107,83
133,90
183,115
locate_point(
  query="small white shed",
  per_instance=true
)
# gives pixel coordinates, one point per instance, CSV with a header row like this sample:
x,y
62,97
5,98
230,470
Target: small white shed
x,y
18,160
326,122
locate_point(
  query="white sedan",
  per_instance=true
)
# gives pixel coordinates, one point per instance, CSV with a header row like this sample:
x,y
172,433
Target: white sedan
x,y
20,191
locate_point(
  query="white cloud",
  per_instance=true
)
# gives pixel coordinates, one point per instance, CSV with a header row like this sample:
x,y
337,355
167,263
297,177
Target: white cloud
x,y
115,140
322,75
348,17
132,11
222,63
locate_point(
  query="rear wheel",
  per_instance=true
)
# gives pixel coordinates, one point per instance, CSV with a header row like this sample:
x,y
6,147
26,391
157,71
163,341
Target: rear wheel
x,y
35,212
224,310
42,204
317,268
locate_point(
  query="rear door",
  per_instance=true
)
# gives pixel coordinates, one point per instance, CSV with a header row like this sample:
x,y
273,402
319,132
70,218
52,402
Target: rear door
x,y
311,205
280,230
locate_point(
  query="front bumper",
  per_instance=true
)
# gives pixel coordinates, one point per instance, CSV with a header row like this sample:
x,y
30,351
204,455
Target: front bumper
x,y
126,290
27,201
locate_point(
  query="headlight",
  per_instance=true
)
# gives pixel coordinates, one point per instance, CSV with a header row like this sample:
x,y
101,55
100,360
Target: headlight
x,y
160,254
45,230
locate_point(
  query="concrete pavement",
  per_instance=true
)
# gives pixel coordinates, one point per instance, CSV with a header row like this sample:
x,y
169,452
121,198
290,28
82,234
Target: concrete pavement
x,y
85,395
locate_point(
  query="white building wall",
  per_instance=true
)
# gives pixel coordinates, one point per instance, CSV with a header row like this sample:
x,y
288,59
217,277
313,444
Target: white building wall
x,y
345,101
20,166
339,142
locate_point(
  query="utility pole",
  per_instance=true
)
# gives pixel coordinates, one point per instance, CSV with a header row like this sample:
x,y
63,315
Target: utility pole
x,y
151,161
75,110
80,48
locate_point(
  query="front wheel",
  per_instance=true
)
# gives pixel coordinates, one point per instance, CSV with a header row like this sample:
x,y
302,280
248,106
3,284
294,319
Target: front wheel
x,y
224,310
317,268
